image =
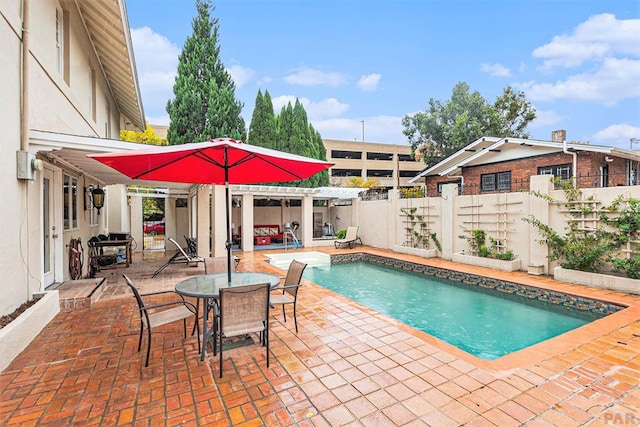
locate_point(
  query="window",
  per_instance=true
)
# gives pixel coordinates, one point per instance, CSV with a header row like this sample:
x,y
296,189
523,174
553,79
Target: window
x,y
107,123
379,173
70,198
408,174
346,172
405,158
62,42
379,156
558,171
342,154
92,94
500,181
59,41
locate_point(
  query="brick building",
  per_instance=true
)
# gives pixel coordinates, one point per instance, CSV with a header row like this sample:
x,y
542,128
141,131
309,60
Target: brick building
x,y
490,165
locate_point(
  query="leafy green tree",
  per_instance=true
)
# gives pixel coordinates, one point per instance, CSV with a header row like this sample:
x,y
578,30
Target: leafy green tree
x,y
513,114
204,104
262,131
147,137
446,127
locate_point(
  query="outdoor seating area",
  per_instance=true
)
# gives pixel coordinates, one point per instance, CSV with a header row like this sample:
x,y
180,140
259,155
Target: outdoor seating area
x,y
346,364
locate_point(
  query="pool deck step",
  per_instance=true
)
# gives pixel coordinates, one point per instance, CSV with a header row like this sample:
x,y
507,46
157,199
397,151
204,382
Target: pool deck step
x,y
80,293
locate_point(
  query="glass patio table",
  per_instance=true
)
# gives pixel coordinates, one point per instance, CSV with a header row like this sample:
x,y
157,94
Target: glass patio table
x,y
207,287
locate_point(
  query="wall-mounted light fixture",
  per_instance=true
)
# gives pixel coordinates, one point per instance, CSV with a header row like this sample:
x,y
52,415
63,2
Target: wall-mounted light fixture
x,y
93,197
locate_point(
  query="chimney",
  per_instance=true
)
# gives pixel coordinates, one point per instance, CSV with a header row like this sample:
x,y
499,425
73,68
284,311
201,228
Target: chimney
x,y
559,135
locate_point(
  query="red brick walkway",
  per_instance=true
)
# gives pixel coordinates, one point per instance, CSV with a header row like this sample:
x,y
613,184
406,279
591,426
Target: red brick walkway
x,y
348,365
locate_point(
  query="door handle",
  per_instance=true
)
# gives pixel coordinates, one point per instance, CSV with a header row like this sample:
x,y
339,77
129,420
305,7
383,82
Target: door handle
x,y
54,235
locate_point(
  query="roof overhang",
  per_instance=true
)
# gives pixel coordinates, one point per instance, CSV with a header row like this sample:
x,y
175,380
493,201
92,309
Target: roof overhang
x,y
107,27
475,146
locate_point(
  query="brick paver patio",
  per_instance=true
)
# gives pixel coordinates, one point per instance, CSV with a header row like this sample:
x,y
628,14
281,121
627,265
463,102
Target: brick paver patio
x,y
348,365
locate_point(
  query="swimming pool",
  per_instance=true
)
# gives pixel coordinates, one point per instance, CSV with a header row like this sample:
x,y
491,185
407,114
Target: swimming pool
x,y
469,312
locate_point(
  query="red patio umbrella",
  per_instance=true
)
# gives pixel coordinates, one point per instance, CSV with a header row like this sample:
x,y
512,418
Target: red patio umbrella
x,y
219,161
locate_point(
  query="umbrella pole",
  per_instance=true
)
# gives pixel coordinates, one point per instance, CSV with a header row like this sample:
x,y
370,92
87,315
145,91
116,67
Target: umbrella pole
x,y
226,202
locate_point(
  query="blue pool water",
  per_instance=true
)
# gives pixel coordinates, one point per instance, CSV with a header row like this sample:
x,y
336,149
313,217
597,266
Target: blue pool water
x,y
487,324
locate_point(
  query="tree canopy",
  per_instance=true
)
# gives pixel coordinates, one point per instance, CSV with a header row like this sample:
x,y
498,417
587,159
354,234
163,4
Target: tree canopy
x,y
290,132
445,127
204,104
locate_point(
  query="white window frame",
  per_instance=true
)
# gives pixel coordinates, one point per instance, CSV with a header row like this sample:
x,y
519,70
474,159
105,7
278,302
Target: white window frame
x,y
70,202
59,39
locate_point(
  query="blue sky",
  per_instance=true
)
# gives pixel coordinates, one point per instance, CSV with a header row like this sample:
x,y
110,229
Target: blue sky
x,y
375,61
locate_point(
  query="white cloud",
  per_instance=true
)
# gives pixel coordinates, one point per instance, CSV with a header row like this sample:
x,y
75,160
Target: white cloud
x,y
545,118
616,79
619,134
156,62
329,107
369,83
240,75
309,77
495,70
599,37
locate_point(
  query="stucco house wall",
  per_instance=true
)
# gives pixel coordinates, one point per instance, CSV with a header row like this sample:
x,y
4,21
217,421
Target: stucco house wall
x,y
73,101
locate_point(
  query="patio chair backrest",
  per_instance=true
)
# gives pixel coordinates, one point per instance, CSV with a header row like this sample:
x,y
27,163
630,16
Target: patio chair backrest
x,y
143,313
244,307
180,248
352,233
217,264
294,277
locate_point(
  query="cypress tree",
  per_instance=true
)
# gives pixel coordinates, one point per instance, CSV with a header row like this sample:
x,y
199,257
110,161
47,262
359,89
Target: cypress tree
x,y
262,131
285,129
204,104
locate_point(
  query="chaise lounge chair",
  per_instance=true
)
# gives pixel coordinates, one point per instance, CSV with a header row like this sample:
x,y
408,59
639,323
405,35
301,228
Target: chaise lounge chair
x,y
350,239
180,257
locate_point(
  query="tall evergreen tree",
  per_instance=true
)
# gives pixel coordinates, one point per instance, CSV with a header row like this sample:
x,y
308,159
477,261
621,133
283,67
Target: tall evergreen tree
x,y
292,133
285,129
262,130
322,177
204,104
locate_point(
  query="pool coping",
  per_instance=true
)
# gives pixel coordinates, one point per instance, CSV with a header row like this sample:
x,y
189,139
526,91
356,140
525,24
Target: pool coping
x,y
537,352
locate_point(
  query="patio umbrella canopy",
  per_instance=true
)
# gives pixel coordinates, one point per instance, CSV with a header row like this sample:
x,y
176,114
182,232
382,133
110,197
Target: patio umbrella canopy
x,y
219,161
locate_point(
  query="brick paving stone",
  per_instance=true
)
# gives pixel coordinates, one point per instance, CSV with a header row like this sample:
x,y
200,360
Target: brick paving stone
x,y
347,364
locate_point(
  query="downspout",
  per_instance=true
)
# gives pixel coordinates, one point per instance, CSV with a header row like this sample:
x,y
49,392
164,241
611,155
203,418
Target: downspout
x,y
575,161
24,131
